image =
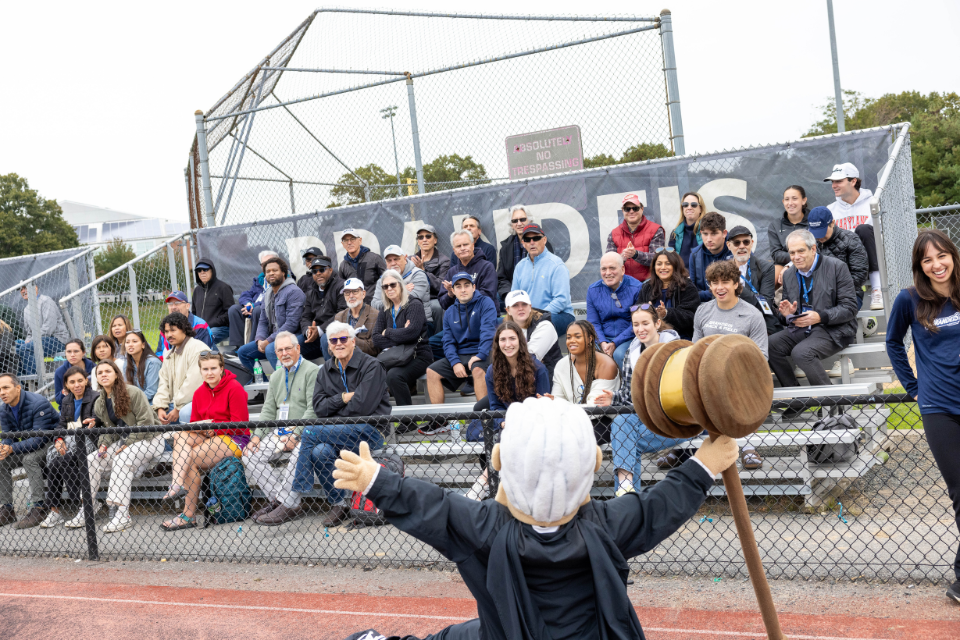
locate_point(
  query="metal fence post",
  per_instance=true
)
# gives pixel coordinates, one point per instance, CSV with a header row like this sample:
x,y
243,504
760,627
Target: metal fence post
x,y
134,298
836,69
86,500
97,320
673,87
416,134
293,204
75,303
489,437
187,272
172,260
36,332
205,169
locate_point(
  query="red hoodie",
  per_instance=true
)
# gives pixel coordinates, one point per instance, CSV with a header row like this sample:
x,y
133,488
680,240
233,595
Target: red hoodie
x,y
227,402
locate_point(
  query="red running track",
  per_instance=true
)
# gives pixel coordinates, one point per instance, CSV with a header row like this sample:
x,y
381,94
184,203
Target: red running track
x,y
77,610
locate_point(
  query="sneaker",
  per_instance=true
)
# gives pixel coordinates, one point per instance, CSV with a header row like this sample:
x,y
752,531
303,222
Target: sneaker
x,y
954,591
835,370
624,490
53,519
118,523
434,428
870,326
876,300
77,521
798,372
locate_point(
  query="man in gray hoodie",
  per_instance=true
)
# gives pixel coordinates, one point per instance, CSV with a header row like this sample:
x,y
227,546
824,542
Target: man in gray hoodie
x,y
48,329
283,304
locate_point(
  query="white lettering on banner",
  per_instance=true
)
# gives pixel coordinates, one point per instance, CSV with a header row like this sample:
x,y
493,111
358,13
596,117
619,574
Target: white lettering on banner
x,y
608,213
669,209
367,237
409,241
295,247
458,222
732,187
570,217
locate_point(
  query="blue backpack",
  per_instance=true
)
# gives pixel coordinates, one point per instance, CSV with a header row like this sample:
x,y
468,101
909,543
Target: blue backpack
x,y
230,494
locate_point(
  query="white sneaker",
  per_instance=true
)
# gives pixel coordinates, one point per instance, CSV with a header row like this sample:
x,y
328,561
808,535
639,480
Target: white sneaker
x,y
119,523
798,372
876,300
53,519
77,521
835,370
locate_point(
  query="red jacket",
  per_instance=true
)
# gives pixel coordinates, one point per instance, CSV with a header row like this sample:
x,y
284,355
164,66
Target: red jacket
x,y
227,402
640,238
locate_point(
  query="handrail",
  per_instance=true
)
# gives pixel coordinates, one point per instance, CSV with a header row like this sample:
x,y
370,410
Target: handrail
x,y
888,169
46,271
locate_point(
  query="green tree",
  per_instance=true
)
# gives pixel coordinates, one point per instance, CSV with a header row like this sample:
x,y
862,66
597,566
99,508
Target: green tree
x,y
30,223
444,172
351,190
636,153
599,160
114,254
934,133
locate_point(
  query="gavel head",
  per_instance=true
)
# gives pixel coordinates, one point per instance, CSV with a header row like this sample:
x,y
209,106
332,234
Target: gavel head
x,y
721,384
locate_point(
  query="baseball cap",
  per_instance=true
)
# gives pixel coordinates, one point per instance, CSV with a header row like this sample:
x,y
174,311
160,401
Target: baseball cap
x,y
819,219
350,232
353,283
632,197
462,275
394,250
322,261
517,296
178,296
532,228
203,265
427,227
841,171
315,251
738,230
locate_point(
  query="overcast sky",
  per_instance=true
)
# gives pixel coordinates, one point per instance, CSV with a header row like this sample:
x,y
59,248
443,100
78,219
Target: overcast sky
x,y
98,98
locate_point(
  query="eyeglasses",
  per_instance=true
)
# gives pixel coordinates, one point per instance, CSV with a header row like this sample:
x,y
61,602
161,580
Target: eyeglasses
x,y
646,306
284,349
616,300
689,205
424,236
387,286
518,220
746,242
664,250
340,340
631,209
532,238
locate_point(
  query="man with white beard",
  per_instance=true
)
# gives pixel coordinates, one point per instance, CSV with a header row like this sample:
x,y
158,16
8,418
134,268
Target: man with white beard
x,y
359,315
758,276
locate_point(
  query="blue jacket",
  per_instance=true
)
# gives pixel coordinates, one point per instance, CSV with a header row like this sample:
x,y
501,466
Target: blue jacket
x,y
484,278
254,293
612,323
281,311
546,280
543,385
201,331
61,371
700,259
36,414
469,328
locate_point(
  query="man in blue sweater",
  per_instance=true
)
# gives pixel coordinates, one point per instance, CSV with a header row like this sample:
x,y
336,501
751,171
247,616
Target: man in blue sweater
x,y
608,306
713,231
545,278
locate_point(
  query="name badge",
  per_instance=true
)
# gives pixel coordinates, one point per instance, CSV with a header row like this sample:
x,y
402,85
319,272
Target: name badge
x,y
283,411
765,306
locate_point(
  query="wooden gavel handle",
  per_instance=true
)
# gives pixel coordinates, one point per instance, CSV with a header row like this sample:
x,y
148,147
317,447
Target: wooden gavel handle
x,y
751,553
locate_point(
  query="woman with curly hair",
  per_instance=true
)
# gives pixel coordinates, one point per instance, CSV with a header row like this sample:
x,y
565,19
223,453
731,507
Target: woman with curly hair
x,y
583,375
669,286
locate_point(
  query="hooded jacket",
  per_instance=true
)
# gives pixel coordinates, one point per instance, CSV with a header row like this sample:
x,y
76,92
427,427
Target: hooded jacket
x,y
139,414
682,304
281,310
700,259
226,402
368,267
851,216
777,237
469,328
484,278
67,416
212,300
507,262
481,247
846,247
36,414
321,307
253,295
832,296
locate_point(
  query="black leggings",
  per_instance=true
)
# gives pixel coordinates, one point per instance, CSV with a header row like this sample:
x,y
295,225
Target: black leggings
x,y
399,379
943,436
865,233
64,472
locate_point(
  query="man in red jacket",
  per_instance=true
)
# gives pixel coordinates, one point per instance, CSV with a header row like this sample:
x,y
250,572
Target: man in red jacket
x,y
636,238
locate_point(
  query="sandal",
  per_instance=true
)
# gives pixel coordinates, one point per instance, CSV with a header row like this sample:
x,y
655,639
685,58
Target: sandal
x,y
750,459
185,523
175,493
673,459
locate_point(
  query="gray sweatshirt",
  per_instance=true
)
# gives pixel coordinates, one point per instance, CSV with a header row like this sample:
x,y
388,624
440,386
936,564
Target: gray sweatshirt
x,y
51,322
743,319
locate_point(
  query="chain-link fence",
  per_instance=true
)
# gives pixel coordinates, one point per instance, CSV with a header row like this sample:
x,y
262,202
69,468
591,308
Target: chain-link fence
x,y
945,217
363,105
32,330
859,498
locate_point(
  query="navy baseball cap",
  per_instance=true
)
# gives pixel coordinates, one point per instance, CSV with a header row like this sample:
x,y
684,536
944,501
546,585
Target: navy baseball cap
x,y
178,296
819,219
463,275
311,251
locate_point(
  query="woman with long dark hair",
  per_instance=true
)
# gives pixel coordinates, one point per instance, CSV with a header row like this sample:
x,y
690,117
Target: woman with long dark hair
x,y
686,236
795,211
583,375
76,355
142,367
931,311
669,286
119,327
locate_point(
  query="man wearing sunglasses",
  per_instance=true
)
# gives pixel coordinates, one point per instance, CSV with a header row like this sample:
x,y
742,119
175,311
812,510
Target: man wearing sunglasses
x,y
713,231
512,250
212,299
545,278
636,239
436,266
324,301
309,255
360,262
758,275
248,306
608,307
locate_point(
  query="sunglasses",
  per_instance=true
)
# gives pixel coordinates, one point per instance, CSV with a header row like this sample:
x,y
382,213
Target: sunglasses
x,y
518,220
387,286
617,300
532,238
746,242
646,306
424,236
211,354
202,269
689,205
340,340
631,209
319,269
664,250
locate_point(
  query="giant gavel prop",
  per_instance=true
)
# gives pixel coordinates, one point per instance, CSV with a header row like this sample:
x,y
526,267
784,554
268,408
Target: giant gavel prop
x,y
721,384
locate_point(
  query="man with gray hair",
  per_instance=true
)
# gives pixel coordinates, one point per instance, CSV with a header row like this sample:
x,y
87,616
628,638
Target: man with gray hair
x,y
819,309
482,270
248,306
512,250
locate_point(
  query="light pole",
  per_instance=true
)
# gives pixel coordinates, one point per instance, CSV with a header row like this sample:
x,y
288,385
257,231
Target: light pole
x,y
389,112
838,95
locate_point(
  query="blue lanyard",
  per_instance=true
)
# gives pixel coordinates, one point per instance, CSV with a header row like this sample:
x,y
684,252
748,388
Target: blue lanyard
x,y
343,376
286,377
806,288
393,312
750,284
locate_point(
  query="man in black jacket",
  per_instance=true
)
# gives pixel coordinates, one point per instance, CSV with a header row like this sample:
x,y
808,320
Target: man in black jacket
x,y
305,282
212,299
481,246
512,250
435,265
324,301
758,275
359,262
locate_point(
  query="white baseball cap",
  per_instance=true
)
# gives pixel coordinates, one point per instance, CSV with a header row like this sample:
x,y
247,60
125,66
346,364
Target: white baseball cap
x,y
517,296
841,171
394,250
353,283
350,232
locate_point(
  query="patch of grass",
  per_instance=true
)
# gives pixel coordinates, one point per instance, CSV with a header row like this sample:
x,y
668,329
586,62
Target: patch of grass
x,y
903,416
151,312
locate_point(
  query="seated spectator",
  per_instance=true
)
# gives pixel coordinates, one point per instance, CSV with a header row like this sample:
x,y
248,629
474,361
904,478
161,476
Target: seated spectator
x,y
713,230
402,322
76,355
220,398
309,255
180,373
608,306
819,309
119,327
669,287
636,239
212,299
359,262
629,438
48,329
435,265
512,250
283,303
290,397
538,331
8,346
795,212
482,271
177,303
349,385
582,376
359,315
64,465
324,300
248,305
414,280
142,368
125,457
686,236
545,278
467,336
22,411
758,275
481,246
100,349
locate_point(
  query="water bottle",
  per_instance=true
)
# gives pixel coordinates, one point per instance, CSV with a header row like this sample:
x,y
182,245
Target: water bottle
x,y
213,507
455,432
257,372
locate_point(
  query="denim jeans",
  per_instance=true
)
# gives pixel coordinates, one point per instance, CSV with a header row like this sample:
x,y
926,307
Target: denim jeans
x,y
249,352
320,447
560,322
629,438
620,353
311,350
219,334
28,363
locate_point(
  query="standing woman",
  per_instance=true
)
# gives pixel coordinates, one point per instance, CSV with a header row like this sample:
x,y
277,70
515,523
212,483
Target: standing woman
x,y
686,237
931,310
670,287
142,368
582,376
402,322
119,327
795,212
221,399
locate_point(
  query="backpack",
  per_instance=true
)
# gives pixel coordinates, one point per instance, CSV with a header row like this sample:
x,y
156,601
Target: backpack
x,y
363,513
228,484
832,453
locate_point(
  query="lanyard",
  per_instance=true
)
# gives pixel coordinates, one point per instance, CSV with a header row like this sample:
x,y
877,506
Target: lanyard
x,y
393,312
805,288
343,376
286,377
749,283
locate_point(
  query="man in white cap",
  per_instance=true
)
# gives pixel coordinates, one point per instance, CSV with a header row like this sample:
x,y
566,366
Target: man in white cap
x,y
414,278
360,262
851,211
542,560
359,315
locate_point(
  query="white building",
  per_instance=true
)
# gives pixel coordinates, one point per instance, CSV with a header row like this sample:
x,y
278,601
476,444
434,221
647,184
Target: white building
x,y
99,225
